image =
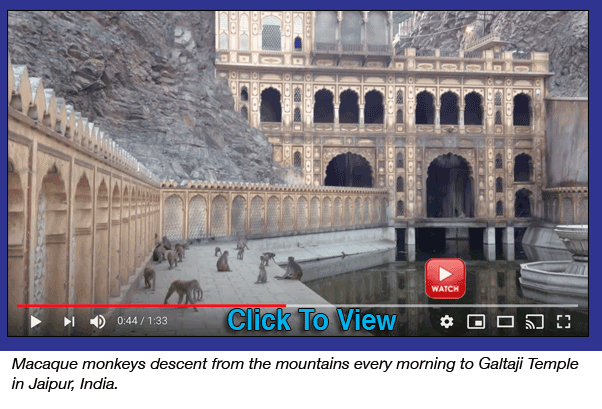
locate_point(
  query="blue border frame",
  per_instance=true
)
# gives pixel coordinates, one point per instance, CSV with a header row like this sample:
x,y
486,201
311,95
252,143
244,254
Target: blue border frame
x,y
592,343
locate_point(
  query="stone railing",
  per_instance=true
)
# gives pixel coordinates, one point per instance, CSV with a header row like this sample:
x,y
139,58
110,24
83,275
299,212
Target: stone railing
x,y
195,210
566,205
477,42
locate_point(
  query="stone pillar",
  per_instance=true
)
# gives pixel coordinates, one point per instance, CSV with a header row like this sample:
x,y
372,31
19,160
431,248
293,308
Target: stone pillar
x,y
489,235
410,240
437,117
461,118
336,116
508,235
362,115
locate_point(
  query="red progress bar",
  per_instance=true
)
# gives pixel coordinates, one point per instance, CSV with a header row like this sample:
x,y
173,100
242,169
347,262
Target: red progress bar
x,y
151,305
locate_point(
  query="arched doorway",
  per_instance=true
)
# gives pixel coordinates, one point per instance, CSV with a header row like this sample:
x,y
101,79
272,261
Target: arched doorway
x,y
270,109
522,203
449,187
348,169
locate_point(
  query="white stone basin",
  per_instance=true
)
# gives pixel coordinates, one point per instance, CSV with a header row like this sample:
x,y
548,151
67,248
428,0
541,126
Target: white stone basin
x,y
575,238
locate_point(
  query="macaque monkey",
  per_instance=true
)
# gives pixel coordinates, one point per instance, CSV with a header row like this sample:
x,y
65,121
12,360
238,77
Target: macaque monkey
x,y
166,243
222,262
241,253
191,289
241,244
182,247
180,252
293,271
218,250
159,253
262,277
149,274
268,257
172,257
264,260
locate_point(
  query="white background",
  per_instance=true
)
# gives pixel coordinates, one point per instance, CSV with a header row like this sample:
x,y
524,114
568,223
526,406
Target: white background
x,y
314,388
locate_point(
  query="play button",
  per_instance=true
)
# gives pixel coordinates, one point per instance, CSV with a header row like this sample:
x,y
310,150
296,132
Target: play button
x,y
34,321
443,274
445,278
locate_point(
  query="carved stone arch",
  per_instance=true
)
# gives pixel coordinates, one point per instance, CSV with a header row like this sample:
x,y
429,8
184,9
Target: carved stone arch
x,y
197,216
479,91
337,211
326,211
456,91
17,274
239,215
367,88
257,214
358,210
302,210
467,154
458,197
348,203
51,274
288,213
273,214
527,92
81,282
173,216
315,206
219,215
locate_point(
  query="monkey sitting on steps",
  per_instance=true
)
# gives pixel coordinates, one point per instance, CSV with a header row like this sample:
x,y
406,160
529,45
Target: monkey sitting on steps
x,y
191,289
293,271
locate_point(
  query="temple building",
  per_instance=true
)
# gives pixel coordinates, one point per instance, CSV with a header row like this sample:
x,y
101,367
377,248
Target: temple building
x,y
451,135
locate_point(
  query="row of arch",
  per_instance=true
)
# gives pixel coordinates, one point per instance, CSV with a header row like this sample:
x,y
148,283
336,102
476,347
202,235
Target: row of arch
x,y
111,232
349,108
567,210
278,214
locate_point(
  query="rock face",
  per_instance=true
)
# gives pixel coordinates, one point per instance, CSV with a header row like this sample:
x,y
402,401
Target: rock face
x,y
562,34
148,79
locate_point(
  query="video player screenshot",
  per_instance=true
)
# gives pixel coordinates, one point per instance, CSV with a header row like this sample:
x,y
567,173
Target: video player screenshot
x,y
325,174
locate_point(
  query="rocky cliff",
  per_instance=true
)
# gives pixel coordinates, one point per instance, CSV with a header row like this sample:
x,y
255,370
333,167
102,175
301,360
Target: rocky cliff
x,y
147,78
562,34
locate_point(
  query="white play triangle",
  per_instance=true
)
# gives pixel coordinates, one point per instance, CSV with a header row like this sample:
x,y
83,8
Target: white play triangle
x,y
443,274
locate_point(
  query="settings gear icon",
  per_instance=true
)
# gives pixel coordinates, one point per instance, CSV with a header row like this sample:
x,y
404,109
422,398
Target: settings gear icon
x,y
447,321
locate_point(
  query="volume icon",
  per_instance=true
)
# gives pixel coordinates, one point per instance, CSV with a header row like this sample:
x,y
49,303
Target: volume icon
x,y
99,321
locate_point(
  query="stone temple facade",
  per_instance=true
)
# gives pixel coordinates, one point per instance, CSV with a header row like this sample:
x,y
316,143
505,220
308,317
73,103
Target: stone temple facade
x,y
451,135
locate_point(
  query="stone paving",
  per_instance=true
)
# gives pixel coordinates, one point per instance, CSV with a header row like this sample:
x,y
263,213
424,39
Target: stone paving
x,y
235,287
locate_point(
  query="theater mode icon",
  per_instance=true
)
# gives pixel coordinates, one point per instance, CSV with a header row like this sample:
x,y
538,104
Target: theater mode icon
x,y
445,278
